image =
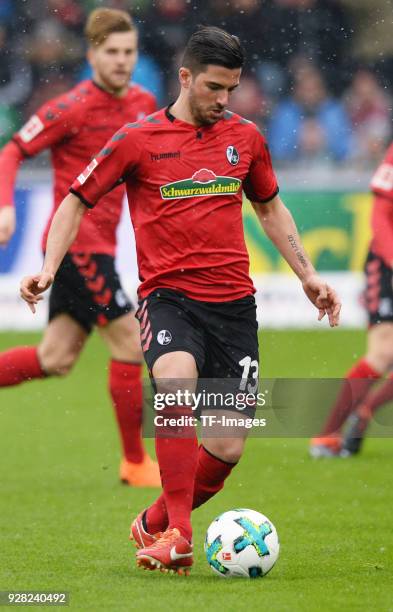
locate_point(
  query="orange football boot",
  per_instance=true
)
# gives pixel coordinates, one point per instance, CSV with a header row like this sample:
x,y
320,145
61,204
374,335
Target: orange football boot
x,y
326,446
144,474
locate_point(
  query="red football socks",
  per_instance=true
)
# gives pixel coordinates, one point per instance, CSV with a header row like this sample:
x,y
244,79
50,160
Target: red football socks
x,y
358,381
383,395
177,457
209,479
18,365
125,387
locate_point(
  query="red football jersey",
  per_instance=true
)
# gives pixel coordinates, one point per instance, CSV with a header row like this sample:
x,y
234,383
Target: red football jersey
x,y
75,126
382,213
382,181
184,187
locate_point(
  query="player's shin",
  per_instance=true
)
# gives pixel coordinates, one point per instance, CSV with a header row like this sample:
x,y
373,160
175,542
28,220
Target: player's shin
x,y
380,397
126,391
177,454
358,382
210,476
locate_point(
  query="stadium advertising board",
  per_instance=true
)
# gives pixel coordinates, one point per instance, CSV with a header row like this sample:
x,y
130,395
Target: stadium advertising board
x,y
334,226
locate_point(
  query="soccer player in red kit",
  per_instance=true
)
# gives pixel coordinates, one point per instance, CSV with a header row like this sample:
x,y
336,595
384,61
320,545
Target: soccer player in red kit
x,y
87,290
357,395
185,168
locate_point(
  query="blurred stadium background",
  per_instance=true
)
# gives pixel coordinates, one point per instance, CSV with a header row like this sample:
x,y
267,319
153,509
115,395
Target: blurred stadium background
x,y
317,82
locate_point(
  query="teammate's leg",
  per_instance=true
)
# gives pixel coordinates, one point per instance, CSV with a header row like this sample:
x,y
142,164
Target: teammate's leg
x,y
378,298
358,384
55,355
381,351
125,385
61,345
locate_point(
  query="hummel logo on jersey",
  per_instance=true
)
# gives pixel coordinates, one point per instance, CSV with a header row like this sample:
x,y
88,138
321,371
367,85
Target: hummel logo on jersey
x,y
202,183
169,155
232,155
175,555
87,171
31,129
164,337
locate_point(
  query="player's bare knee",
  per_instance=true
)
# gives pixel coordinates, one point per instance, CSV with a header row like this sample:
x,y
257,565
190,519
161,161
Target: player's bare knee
x,y
380,357
228,450
175,366
56,363
131,346
123,339
380,347
175,387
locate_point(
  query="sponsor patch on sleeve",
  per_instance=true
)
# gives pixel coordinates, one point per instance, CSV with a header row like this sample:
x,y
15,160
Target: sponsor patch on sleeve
x,y
31,129
87,171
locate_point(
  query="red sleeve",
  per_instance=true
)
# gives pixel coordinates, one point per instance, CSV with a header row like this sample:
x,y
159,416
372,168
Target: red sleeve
x,y
10,159
54,121
260,184
152,104
382,181
382,228
118,158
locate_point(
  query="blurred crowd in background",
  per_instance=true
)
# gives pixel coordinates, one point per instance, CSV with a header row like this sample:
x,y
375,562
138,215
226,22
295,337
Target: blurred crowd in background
x,y
317,81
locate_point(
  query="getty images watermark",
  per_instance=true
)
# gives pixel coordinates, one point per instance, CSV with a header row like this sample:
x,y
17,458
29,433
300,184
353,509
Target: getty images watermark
x,y
267,408
199,401
209,399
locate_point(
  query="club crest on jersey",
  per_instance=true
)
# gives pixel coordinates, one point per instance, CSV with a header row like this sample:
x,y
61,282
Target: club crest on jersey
x,y
203,183
31,129
164,337
87,171
233,155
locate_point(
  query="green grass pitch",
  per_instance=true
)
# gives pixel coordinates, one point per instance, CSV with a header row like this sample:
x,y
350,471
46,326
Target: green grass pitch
x,y
65,517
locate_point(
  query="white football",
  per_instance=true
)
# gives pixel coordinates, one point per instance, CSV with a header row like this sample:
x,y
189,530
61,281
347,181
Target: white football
x,y
241,543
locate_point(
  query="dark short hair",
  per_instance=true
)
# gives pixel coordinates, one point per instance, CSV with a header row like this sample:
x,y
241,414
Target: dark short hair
x,y
211,45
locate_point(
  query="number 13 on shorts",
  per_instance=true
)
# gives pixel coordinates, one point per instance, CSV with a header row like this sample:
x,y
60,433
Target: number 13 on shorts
x,y
250,370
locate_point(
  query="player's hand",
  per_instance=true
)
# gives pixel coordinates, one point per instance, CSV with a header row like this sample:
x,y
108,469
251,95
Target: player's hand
x,y
7,224
31,288
324,298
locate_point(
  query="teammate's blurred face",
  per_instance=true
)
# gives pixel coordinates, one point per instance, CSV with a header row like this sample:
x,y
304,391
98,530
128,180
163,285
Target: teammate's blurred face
x,y
114,61
208,92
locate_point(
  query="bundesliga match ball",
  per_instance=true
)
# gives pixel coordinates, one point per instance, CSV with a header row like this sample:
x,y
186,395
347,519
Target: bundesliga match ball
x,y
241,543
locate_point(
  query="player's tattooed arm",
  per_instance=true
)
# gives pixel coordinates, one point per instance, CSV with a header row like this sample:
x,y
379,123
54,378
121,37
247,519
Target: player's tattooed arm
x,y
280,227
298,250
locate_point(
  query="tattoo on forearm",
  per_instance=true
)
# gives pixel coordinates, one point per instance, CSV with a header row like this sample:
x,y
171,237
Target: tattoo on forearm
x,y
297,249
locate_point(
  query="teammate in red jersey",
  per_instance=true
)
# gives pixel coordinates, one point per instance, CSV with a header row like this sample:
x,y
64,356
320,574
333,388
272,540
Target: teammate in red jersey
x,y
357,395
87,290
185,169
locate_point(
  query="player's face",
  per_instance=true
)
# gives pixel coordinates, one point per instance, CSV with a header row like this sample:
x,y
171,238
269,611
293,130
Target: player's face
x,y
114,60
209,93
